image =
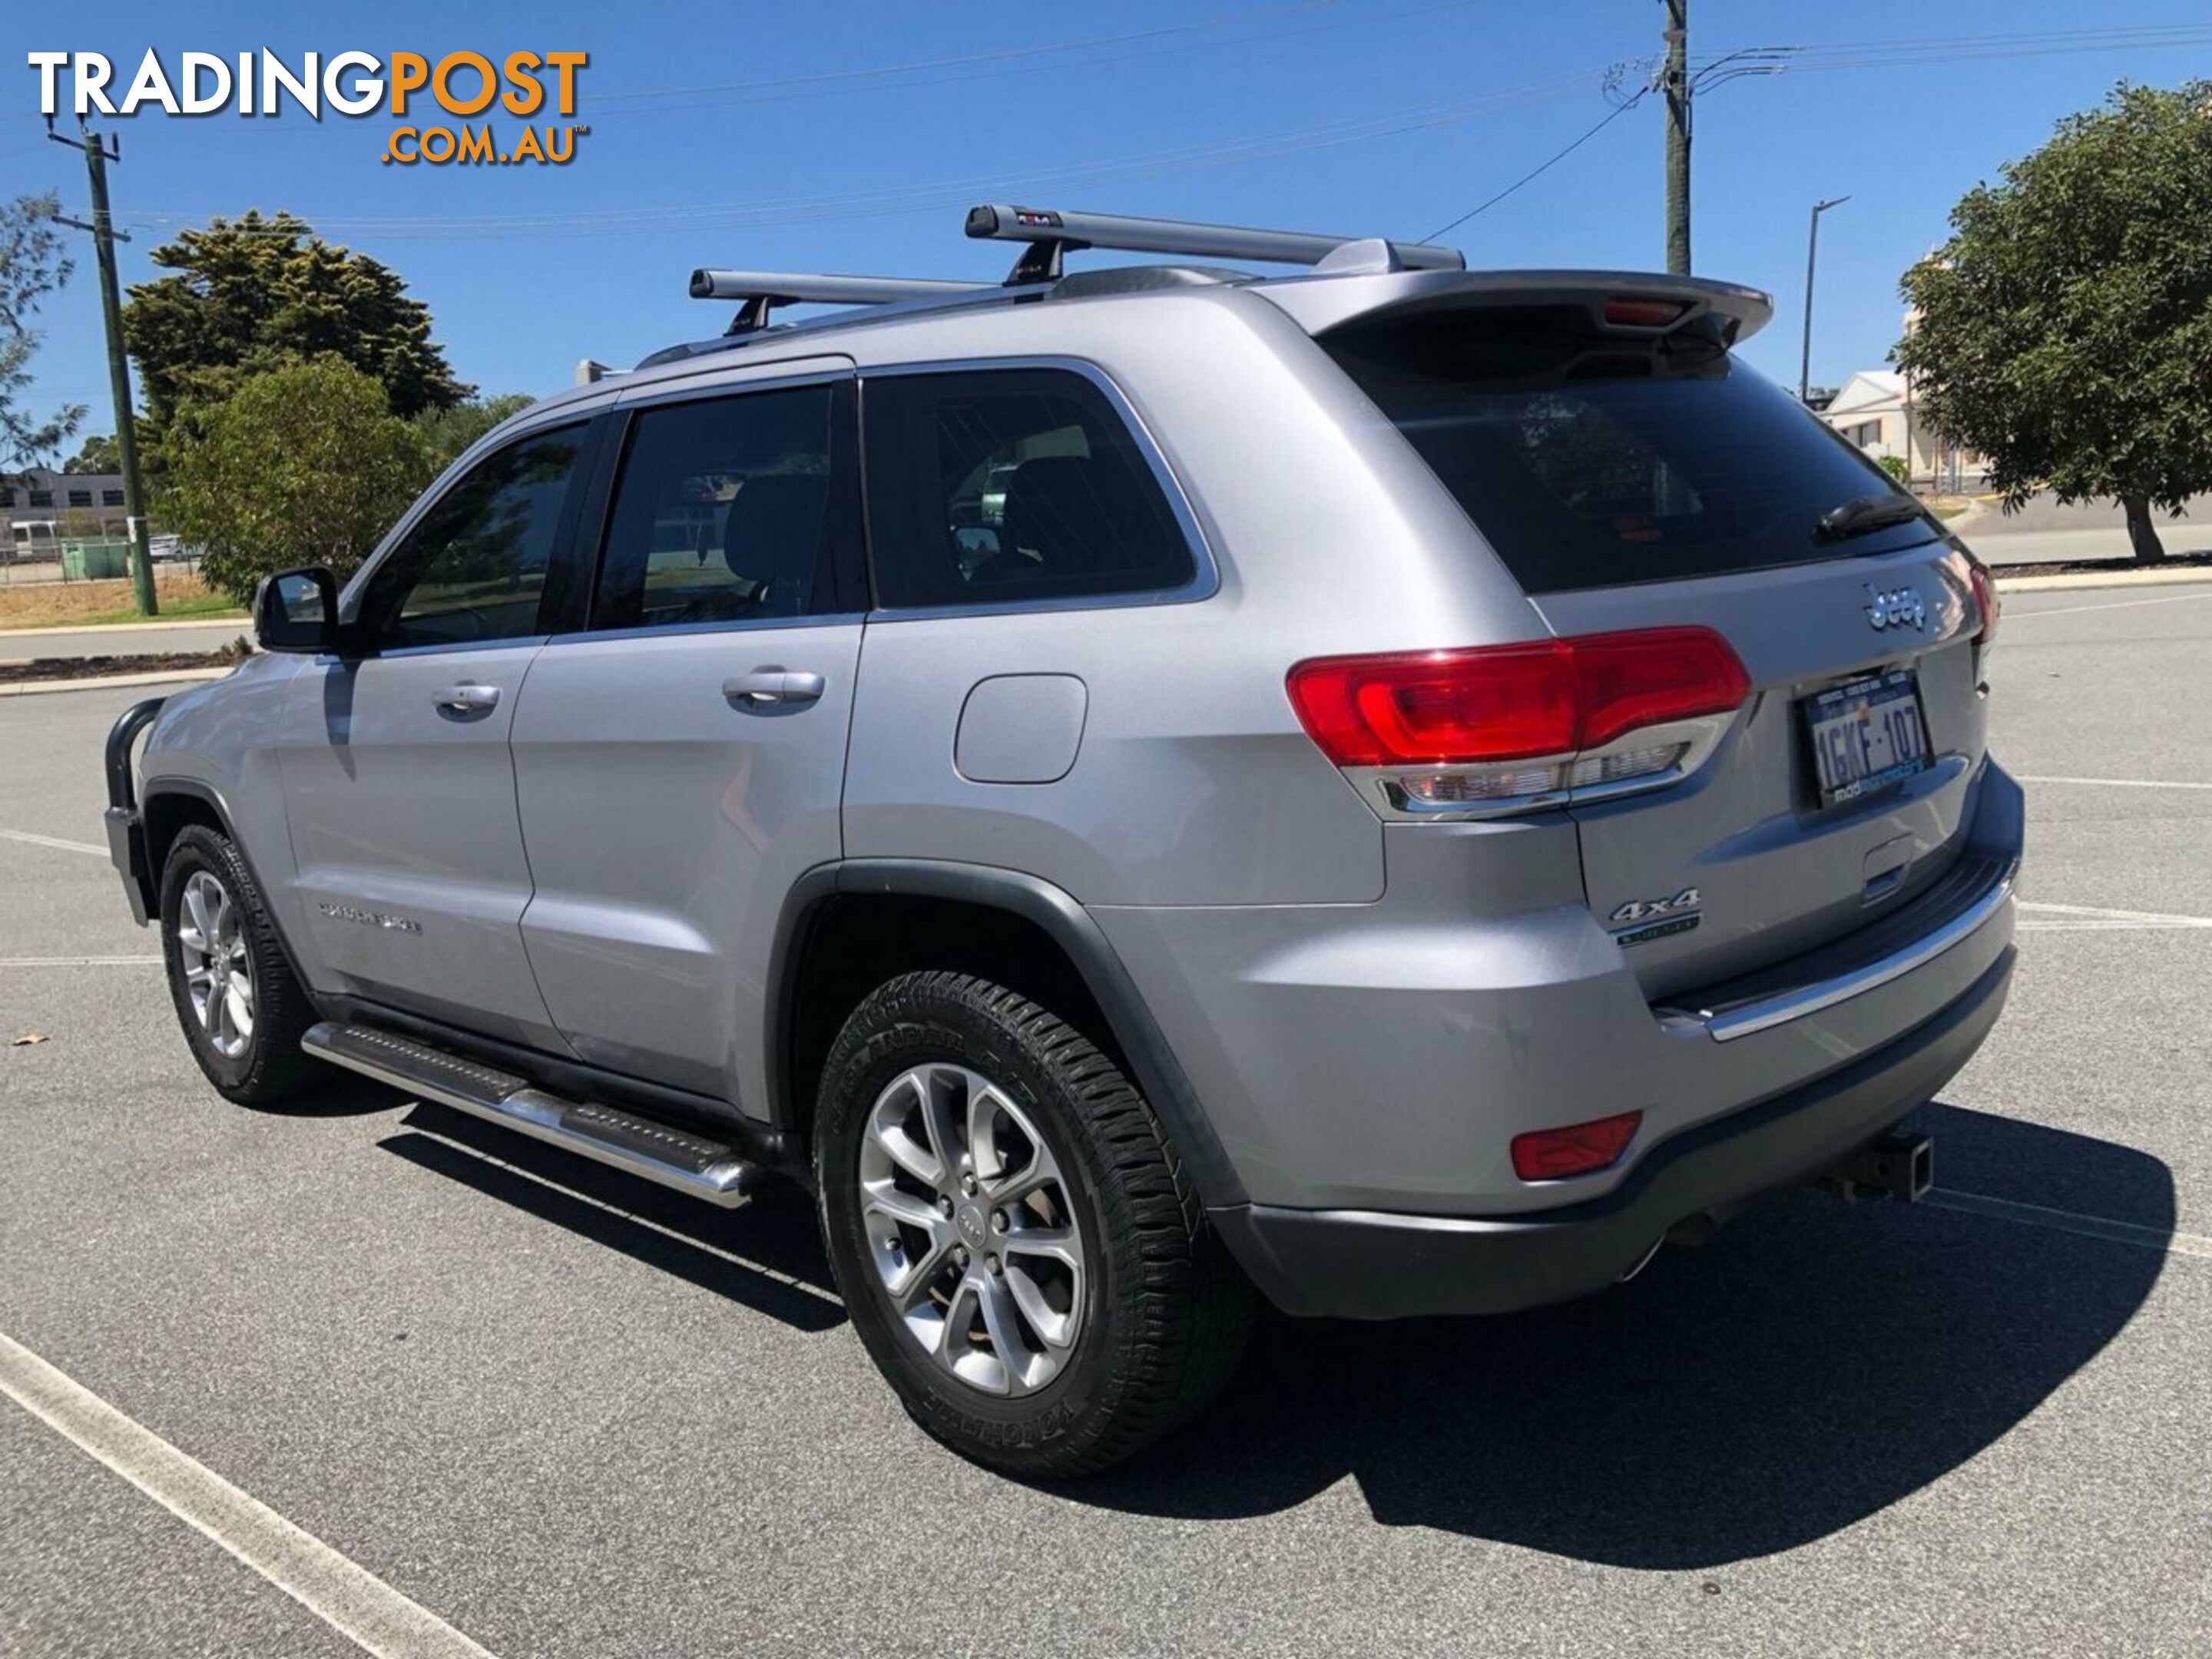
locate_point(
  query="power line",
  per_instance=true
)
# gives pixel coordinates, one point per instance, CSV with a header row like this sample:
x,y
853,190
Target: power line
x,y
933,197
1909,51
2144,35
1928,49
1615,114
930,196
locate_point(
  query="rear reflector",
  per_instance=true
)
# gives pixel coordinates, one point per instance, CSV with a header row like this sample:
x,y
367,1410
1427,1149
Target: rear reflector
x,y
1577,1149
1553,699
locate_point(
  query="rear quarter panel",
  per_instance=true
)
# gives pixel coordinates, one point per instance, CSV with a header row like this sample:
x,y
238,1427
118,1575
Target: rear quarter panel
x,y
1193,782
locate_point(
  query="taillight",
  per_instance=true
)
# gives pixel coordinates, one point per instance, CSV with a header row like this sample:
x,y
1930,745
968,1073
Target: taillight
x,y
1986,602
1517,724
1577,1149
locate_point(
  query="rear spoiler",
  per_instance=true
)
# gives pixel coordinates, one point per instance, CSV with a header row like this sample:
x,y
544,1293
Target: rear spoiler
x,y
1631,303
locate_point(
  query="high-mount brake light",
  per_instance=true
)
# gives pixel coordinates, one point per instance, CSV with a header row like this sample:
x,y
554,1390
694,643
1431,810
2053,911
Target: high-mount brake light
x,y
1576,1149
1505,726
1642,313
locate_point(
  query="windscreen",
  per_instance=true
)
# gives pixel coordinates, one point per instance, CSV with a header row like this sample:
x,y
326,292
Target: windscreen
x,y
1590,458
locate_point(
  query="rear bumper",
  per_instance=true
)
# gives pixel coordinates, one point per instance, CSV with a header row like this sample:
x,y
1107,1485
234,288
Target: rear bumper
x,y
1355,1264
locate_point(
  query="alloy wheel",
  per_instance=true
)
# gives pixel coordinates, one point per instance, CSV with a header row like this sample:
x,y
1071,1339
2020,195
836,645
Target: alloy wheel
x,y
218,967
970,1229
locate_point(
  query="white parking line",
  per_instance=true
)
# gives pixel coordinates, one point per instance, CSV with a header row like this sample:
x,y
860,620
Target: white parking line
x,y
2070,1221
2092,916
2014,614
30,840
80,962
2122,783
348,1598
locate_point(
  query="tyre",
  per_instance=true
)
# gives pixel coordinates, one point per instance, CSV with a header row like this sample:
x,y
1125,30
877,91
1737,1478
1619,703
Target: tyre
x,y
1013,1237
242,1011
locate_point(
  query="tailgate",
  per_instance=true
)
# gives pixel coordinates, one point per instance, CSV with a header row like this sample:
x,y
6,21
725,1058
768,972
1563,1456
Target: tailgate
x,y
1633,474
1775,866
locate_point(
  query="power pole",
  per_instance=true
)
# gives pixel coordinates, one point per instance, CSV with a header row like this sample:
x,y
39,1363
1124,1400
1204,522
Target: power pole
x,y
1812,251
1675,81
97,155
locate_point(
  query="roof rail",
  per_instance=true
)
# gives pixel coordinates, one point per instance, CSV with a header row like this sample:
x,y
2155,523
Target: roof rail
x,y
764,290
1051,233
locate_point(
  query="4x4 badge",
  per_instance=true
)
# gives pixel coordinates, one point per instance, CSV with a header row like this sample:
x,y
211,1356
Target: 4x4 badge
x,y
1649,909
1659,918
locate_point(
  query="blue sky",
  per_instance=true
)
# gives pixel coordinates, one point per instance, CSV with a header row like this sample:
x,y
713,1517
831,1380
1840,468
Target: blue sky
x,y
1234,109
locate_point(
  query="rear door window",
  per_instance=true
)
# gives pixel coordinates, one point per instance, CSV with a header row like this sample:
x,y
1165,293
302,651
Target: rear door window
x,y
724,512
997,486
1591,459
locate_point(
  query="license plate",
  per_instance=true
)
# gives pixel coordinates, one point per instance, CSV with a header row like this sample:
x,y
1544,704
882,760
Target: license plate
x,y
1866,733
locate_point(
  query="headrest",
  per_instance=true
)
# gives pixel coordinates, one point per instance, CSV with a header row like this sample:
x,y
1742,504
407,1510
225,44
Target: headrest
x,y
1076,517
774,530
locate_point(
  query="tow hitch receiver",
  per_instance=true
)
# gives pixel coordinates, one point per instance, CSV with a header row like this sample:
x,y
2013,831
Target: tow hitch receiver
x,y
1897,1166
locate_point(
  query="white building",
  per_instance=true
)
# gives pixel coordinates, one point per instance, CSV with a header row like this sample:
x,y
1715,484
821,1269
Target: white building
x,y
1874,410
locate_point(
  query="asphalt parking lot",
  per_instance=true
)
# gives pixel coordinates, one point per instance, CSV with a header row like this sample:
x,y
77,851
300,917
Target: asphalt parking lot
x,y
565,1415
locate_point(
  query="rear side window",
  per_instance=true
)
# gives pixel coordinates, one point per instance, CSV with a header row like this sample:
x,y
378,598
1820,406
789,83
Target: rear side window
x,y
722,513
1594,461
995,486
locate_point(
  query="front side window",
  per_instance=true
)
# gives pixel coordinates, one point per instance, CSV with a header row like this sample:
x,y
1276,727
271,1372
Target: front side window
x,y
80,498
1002,485
473,567
111,498
723,513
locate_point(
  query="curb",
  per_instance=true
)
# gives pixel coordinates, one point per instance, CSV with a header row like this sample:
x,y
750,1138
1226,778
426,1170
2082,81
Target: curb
x,y
113,682
2152,578
243,624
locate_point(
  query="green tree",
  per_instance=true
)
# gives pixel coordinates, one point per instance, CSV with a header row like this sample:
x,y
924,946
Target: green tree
x,y
451,431
252,293
32,267
97,453
2065,330
303,463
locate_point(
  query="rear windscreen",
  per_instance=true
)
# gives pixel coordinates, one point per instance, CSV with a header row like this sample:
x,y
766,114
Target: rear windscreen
x,y
1591,459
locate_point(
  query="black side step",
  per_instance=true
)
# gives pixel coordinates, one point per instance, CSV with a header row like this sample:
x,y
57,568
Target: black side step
x,y
674,1158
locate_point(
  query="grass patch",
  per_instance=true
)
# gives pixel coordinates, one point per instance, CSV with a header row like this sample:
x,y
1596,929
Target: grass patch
x,y
181,595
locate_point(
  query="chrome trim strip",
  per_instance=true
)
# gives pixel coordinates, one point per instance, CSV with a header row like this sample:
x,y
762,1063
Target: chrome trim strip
x,y
1699,738
1745,1019
679,630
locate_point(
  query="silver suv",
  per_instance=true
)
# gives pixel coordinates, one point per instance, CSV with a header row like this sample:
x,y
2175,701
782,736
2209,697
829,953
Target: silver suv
x,y
1389,790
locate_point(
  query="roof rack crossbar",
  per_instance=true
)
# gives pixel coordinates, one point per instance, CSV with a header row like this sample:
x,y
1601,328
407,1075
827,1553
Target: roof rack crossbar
x,y
1051,233
762,291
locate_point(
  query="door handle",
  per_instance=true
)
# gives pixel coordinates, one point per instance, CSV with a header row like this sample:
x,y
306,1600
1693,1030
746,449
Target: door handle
x,y
467,699
766,688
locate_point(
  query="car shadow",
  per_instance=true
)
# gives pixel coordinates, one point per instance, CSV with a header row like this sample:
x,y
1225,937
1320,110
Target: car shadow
x,y
766,1254
344,1095
1810,1365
